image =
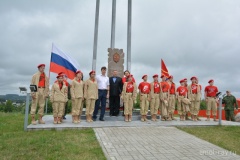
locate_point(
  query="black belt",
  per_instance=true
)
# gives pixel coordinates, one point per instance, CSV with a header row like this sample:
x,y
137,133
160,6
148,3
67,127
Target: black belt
x,y
156,92
129,92
102,89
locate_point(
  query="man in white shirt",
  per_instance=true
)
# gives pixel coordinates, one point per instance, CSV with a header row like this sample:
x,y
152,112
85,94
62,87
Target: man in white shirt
x,y
103,94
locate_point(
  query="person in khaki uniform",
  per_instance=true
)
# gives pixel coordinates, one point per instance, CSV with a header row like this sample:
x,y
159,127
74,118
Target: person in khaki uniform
x,y
144,91
77,96
186,85
69,94
200,102
129,95
91,95
211,100
164,99
38,98
172,98
58,98
194,95
181,94
155,99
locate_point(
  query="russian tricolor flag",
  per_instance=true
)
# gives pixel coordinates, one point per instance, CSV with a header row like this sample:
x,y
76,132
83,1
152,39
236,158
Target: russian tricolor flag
x,y
62,62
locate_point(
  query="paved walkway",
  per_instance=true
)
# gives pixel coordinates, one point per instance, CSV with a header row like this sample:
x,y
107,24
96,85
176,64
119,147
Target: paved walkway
x,y
160,142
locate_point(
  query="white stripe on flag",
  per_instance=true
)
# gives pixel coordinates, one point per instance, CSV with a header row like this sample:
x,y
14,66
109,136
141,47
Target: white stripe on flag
x,y
65,56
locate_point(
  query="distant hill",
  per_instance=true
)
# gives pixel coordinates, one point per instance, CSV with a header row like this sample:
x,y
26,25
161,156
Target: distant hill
x,y
12,97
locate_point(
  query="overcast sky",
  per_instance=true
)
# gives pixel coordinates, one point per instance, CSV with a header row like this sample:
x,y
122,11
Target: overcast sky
x,y
194,37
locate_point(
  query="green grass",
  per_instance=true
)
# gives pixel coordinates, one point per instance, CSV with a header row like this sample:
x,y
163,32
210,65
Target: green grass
x,y
47,144
227,137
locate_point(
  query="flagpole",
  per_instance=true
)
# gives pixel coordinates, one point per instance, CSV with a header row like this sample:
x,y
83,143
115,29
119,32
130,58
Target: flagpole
x,y
129,28
113,24
46,101
94,60
50,63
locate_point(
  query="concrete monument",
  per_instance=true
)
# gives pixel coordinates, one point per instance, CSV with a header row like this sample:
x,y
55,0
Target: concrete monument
x,y
115,61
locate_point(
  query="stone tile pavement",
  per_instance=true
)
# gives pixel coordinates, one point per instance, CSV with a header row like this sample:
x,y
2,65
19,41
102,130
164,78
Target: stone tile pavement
x,y
157,142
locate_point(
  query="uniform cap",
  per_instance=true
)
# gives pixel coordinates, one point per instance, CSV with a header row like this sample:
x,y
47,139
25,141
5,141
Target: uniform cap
x,y
170,77
155,75
61,73
92,72
183,80
210,81
78,72
59,76
193,78
40,65
144,76
162,76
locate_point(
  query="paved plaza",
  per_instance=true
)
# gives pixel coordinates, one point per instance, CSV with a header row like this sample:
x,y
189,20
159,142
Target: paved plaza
x,y
146,140
141,143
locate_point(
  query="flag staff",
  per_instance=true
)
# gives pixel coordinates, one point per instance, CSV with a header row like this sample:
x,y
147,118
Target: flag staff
x,y
94,61
129,28
113,24
46,102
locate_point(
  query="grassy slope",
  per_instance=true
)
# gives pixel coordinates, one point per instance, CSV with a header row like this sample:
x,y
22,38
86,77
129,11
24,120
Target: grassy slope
x,y
227,137
66,144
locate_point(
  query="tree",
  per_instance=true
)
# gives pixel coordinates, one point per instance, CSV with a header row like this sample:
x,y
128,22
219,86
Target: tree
x,y
2,107
203,105
9,106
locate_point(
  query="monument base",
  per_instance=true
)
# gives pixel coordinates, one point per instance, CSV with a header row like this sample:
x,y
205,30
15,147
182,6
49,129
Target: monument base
x,y
112,121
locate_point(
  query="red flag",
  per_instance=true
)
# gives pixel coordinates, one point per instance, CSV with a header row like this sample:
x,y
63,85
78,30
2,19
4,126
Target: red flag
x,y
164,70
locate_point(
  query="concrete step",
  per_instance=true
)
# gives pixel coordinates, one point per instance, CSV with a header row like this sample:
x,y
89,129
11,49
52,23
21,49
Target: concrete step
x,y
135,112
120,117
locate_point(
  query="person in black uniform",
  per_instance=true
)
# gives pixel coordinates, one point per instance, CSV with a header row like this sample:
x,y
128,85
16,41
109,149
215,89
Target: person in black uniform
x,y
115,91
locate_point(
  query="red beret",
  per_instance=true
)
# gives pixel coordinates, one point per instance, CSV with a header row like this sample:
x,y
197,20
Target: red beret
x,y
59,76
193,78
182,81
170,77
61,73
92,72
211,80
144,76
155,75
185,79
162,76
78,72
40,65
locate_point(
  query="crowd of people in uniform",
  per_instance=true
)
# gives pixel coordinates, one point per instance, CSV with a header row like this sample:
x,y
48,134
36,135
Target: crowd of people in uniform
x,y
163,96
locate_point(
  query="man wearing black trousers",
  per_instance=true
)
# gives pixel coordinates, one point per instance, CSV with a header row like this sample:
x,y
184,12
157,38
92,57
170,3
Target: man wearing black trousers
x,y
115,91
103,94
